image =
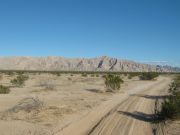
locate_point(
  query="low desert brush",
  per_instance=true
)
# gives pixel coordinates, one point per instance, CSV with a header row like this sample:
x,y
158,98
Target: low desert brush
x,y
170,108
148,76
19,80
113,82
4,89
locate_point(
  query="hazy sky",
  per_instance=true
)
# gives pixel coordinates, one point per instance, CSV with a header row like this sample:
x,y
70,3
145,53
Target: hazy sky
x,y
141,30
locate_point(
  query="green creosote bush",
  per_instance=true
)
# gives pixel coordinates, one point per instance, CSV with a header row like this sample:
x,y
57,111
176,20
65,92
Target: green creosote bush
x,y
97,75
113,82
10,73
1,77
129,77
19,80
84,75
92,75
4,89
58,74
170,108
148,76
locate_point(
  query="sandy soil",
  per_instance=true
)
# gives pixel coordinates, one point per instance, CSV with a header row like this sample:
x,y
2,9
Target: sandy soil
x,y
128,113
66,105
48,102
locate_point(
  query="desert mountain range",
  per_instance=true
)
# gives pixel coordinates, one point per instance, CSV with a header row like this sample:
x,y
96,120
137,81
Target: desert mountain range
x,y
102,63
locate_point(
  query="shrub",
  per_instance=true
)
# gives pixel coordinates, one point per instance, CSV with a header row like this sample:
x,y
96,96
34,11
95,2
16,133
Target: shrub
x,y
20,72
129,77
84,75
97,75
4,89
125,74
92,75
148,76
19,80
10,73
113,82
103,76
1,77
56,73
170,108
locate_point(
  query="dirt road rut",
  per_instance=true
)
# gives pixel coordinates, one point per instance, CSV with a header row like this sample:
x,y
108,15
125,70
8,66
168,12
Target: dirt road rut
x,y
126,114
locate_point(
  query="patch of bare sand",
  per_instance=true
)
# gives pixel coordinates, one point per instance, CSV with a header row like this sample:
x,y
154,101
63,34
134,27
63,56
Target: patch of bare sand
x,y
37,109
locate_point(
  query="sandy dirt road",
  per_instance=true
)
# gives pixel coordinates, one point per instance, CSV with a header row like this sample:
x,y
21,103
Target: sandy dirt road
x,y
128,113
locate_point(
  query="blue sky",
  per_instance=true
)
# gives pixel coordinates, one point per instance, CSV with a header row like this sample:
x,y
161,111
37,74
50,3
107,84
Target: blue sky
x,y
141,30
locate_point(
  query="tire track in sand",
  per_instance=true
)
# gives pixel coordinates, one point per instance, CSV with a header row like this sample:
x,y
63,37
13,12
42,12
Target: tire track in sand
x,y
125,114
132,117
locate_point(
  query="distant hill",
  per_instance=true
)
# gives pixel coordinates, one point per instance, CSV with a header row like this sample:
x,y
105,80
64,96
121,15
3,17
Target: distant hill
x,y
103,63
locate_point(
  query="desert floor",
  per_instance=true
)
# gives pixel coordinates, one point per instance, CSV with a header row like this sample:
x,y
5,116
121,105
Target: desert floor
x,y
75,105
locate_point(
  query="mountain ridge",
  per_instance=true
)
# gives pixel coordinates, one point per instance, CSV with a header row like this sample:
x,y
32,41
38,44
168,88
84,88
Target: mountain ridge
x,y
58,63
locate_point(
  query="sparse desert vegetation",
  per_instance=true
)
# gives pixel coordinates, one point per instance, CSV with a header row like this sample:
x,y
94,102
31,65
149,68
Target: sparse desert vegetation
x,y
19,80
47,102
113,82
4,89
171,104
47,84
148,76
84,75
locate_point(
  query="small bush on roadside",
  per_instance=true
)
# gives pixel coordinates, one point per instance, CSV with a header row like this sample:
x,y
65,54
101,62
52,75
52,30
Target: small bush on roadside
x,y
148,76
170,108
113,82
4,89
19,80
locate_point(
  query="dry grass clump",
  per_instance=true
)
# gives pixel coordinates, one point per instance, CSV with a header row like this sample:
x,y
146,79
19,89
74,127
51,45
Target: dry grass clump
x,y
35,111
47,84
27,105
24,110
